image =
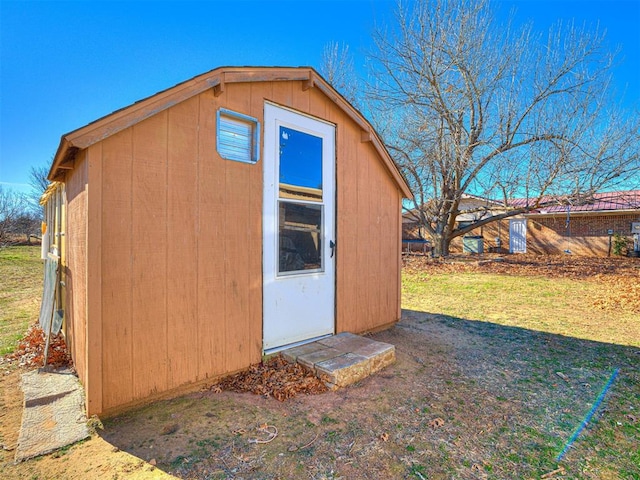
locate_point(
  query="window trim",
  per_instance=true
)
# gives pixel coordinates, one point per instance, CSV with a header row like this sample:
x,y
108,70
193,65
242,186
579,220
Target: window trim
x,y
254,126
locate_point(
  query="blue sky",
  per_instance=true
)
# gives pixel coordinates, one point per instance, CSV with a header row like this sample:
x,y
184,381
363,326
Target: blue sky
x,y
65,64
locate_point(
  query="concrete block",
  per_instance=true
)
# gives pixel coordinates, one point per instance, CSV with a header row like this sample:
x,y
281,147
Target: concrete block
x,y
379,354
345,342
343,370
310,359
291,354
383,360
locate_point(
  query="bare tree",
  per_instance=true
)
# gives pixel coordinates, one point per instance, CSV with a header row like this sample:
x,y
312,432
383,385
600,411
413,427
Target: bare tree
x,y
13,212
337,68
39,182
470,106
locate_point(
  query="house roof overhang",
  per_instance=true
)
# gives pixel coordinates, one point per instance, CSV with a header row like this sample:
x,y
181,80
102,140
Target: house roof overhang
x,y
216,79
581,213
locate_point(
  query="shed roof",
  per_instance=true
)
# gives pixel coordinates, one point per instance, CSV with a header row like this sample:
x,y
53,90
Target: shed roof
x,y
113,123
48,192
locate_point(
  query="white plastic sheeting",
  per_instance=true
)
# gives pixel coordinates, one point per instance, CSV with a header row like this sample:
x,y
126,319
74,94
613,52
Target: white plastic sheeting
x,y
48,311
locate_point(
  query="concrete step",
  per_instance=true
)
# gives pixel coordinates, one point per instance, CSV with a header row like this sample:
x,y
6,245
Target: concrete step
x,y
342,359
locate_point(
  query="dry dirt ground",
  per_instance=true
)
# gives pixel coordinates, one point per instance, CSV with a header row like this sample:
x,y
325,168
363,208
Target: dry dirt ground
x,y
465,399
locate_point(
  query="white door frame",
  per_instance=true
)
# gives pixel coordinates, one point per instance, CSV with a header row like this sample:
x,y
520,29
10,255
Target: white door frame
x,y
297,306
518,236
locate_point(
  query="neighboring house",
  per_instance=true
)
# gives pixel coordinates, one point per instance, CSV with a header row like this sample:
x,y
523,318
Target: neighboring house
x,y
556,229
580,229
472,208
229,216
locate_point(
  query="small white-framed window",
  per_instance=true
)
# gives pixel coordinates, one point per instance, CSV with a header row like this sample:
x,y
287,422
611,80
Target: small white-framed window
x,y
238,136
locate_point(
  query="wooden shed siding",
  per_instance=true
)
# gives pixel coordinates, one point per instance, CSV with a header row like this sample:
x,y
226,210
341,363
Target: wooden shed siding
x,y
93,347
210,249
365,250
243,238
75,273
149,256
368,246
256,181
235,243
347,241
117,269
180,236
182,297
182,242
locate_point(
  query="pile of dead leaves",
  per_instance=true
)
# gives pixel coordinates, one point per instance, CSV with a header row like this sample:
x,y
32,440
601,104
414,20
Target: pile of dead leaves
x,y
30,351
275,378
553,266
619,293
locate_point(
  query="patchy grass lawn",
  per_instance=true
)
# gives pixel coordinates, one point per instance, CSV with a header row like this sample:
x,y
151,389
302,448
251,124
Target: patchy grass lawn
x,y
21,277
561,306
496,369
557,323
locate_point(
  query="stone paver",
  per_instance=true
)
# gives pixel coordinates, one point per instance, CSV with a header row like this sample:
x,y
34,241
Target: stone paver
x,y
346,342
310,360
342,359
344,370
291,354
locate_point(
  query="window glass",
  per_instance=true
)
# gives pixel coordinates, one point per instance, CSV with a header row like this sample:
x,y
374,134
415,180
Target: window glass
x,y
299,237
237,137
300,165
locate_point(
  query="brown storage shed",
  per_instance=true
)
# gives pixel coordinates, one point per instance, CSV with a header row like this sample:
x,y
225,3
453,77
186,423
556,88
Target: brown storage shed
x,y
233,214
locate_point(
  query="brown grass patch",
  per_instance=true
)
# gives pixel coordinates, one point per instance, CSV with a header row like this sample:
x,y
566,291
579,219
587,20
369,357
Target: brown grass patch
x,y
618,276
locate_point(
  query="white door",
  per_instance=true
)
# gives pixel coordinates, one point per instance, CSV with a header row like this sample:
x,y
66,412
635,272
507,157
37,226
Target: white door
x,y
518,235
298,228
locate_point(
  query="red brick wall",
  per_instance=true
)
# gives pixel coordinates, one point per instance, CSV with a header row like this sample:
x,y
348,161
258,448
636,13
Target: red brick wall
x,y
586,235
549,235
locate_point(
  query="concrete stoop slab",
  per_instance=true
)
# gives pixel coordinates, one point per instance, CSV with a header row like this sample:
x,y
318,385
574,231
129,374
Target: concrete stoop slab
x,y
342,359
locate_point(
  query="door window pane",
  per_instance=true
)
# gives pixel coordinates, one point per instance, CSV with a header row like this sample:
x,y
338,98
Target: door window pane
x,y
300,165
299,242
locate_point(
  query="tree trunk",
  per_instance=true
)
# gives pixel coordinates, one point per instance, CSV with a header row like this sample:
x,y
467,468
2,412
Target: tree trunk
x,y
440,245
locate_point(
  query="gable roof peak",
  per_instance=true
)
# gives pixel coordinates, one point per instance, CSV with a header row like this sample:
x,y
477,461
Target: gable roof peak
x,y
215,79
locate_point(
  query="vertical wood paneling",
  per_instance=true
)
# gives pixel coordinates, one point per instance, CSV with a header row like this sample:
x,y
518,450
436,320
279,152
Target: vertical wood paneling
x,y
398,245
114,208
368,268
321,107
94,343
282,92
237,245
182,242
258,94
347,216
299,97
236,266
211,232
387,206
149,269
76,270
386,255
363,255
375,239
176,232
